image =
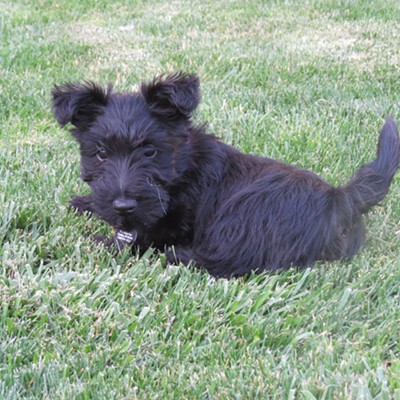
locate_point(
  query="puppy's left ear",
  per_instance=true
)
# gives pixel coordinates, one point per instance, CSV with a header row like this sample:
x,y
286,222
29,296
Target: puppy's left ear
x,y
79,104
173,97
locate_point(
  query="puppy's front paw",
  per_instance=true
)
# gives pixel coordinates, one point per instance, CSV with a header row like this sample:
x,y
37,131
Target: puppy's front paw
x,y
82,204
179,255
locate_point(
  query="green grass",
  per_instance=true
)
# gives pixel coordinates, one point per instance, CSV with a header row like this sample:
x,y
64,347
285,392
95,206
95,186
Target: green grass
x,y
307,82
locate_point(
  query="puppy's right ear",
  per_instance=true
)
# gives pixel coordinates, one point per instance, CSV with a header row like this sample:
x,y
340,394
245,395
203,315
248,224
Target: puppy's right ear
x,y
79,104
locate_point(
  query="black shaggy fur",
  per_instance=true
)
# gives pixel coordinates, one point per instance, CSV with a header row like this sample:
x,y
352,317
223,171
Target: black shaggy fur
x,y
164,182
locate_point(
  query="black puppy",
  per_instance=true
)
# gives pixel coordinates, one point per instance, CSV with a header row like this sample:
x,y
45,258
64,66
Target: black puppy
x,y
161,181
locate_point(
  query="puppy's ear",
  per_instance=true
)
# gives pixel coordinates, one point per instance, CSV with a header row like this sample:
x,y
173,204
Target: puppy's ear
x,y
172,97
79,104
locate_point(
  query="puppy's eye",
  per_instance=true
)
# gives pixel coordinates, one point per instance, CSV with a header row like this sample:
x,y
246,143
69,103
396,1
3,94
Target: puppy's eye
x,y
149,151
101,154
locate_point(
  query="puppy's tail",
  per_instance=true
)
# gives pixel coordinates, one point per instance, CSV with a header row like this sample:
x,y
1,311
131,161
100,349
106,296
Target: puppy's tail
x,y
371,183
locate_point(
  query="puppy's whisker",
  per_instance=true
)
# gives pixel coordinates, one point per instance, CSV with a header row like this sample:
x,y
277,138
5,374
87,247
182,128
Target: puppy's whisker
x,y
152,184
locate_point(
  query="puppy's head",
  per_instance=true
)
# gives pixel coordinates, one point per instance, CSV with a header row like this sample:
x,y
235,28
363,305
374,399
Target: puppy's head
x,y
134,146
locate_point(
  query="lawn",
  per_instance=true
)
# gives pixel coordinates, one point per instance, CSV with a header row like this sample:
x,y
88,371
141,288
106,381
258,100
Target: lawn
x,y
308,82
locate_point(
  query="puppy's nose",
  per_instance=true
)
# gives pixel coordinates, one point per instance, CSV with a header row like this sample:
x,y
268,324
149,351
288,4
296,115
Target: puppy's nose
x,y
124,206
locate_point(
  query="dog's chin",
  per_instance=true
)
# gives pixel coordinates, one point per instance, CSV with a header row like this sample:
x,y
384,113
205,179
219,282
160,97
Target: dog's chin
x,y
126,224
131,223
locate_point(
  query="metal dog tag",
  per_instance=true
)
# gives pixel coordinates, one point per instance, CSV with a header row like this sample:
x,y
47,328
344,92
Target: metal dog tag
x,y
126,237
